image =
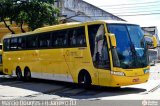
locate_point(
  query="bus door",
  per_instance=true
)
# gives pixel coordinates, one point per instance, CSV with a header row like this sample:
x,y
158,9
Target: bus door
x,y
100,53
74,54
59,66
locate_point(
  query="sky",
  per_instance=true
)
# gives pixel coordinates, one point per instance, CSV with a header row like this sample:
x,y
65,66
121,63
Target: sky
x,y
122,8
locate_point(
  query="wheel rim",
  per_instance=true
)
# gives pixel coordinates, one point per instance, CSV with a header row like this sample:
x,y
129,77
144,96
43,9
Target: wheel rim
x,y
27,75
84,79
18,75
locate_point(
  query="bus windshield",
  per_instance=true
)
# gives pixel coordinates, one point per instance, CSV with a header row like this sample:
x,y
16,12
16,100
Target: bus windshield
x,y
131,49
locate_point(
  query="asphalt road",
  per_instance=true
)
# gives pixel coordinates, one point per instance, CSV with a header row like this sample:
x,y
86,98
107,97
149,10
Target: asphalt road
x,y
12,89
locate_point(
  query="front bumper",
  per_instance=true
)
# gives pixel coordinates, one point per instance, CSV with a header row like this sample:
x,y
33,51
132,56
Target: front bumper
x,y
126,80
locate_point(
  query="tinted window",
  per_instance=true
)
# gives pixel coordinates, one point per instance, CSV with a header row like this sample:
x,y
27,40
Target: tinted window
x,y
98,46
59,38
32,41
21,43
44,40
13,43
77,37
130,51
6,44
73,37
81,36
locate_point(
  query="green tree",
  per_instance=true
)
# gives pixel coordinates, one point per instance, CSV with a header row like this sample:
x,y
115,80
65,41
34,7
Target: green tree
x,y
5,12
35,13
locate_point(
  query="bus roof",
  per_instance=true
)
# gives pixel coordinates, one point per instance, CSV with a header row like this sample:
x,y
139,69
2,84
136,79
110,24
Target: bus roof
x,y
81,23
57,26
118,22
66,25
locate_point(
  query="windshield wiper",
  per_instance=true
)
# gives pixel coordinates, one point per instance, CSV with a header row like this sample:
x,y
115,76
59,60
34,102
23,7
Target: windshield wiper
x,y
134,54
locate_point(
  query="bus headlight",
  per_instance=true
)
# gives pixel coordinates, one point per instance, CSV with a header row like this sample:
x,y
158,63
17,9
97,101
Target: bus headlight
x,y
146,71
117,73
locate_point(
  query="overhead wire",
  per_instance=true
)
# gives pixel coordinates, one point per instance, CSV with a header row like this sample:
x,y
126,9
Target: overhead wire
x,y
128,4
142,14
134,9
136,12
130,9
158,13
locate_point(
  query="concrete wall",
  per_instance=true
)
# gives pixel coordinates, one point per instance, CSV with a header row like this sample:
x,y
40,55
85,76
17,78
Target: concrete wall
x,y
87,12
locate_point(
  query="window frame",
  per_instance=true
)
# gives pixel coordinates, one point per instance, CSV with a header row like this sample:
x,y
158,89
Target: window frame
x,y
37,35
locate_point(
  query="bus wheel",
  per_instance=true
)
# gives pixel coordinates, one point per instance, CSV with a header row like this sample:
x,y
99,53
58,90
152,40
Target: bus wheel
x,y
19,73
27,74
84,79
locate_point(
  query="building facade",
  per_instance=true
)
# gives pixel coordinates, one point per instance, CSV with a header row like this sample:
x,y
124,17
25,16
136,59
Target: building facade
x,y
79,10
70,10
152,30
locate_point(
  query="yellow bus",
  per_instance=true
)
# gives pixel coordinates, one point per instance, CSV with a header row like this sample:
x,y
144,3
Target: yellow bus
x,y
105,53
1,66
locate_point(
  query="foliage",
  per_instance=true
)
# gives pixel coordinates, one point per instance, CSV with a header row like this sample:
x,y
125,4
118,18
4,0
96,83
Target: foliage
x,y
5,11
35,13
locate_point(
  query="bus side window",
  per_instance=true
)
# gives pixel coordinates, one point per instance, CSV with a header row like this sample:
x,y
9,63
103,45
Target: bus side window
x,y
32,41
99,46
63,38
54,39
73,38
21,43
6,44
76,37
70,35
59,38
81,36
13,44
44,40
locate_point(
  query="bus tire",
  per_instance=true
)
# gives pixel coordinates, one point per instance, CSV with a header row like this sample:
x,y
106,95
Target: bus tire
x,y
84,79
27,74
19,73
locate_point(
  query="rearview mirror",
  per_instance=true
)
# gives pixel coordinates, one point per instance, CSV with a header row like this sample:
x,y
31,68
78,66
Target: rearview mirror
x,y
151,41
113,40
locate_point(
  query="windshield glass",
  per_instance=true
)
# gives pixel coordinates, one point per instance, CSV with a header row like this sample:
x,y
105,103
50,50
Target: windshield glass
x,y
131,49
